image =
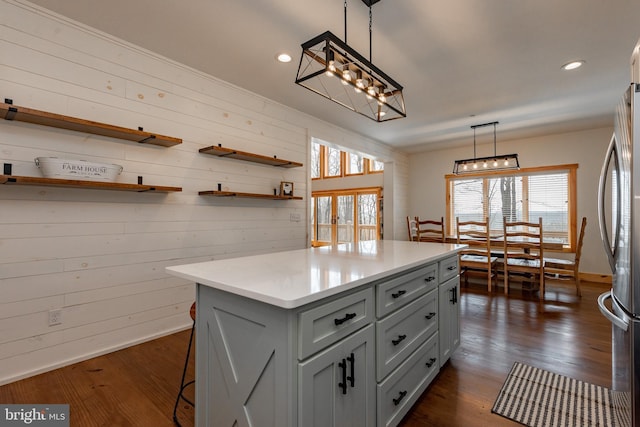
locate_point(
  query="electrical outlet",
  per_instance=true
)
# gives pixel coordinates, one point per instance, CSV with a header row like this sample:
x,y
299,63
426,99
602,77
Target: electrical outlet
x,y
55,317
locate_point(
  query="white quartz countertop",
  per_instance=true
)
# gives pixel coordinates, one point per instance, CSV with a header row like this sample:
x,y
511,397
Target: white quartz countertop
x,y
294,278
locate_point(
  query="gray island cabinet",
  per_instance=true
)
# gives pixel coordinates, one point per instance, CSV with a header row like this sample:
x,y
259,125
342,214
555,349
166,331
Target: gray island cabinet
x,y
349,335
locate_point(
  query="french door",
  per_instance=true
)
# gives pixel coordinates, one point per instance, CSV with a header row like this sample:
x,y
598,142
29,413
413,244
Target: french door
x,y
345,216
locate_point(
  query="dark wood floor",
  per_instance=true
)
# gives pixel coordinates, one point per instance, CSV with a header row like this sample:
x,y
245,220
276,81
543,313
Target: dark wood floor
x,y
137,386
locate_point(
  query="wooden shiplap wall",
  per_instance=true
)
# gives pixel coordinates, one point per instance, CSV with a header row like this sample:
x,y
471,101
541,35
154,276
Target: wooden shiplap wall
x,y
100,256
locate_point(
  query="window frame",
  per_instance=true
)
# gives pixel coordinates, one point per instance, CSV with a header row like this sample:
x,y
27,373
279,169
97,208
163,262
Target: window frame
x,y
572,191
333,194
325,163
344,165
368,168
347,164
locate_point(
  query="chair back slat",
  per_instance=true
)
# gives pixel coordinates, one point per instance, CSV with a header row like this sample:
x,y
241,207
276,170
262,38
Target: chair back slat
x,y
477,257
523,252
565,270
429,230
583,226
412,228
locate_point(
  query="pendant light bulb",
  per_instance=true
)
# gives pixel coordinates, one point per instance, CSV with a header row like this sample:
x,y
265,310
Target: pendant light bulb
x,y
331,69
346,77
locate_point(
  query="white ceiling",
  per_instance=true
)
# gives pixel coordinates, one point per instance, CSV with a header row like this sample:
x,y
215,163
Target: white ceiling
x,y
461,62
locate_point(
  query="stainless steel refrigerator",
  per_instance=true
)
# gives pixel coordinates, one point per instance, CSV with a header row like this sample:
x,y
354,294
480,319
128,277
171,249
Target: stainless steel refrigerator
x,y
619,219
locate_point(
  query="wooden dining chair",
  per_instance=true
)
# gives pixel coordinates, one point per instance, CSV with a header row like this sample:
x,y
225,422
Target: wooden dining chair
x,y
412,228
523,253
476,259
558,270
429,230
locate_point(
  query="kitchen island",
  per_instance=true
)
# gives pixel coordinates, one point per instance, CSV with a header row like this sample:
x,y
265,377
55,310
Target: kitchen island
x,y
349,335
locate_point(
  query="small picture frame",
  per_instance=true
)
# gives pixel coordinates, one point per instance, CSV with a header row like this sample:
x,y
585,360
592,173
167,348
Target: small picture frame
x,y
286,188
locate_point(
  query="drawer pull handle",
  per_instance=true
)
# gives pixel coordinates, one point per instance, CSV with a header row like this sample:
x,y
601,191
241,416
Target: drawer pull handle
x,y
430,279
346,317
398,294
401,396
431,362
399,340
430,316
452,267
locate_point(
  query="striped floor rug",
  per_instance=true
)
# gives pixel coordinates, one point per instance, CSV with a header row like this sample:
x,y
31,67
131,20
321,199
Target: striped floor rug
x,y
538,398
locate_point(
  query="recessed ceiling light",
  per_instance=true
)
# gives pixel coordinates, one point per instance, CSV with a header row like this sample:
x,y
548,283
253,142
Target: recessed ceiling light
x,y
283,57
573,65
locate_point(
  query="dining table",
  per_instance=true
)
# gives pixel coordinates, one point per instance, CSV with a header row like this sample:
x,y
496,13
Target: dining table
x,y
497,243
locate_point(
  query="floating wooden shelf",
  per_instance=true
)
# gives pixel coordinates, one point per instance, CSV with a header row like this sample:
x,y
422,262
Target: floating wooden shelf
x,y
249,157
74,183
247,195
22,114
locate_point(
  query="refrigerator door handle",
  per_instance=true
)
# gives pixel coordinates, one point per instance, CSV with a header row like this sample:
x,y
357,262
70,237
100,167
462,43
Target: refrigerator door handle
x,y
620,323
602,221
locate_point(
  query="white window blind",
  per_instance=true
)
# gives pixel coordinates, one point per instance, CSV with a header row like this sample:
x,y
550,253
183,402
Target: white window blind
x,y
518,196
469,200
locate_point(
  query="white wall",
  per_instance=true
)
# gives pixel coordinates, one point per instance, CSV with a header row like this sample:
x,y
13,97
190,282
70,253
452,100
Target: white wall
x,y
587,148
100,255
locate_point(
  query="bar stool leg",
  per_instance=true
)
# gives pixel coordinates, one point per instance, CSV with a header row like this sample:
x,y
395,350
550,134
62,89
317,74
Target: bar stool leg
x,y
184,385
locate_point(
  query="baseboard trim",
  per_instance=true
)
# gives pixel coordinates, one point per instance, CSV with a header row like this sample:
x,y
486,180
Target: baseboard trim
x,y
91,355
596,278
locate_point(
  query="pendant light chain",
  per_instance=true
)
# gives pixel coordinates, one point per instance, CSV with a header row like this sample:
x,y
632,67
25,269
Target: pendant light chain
x,y
494,139
474,143
345,21
370,32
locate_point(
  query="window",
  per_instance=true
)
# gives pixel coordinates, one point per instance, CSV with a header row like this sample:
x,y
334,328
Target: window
x,y
375,166
346,216
315,160
329,162
355,164
524,195
333,165
368,215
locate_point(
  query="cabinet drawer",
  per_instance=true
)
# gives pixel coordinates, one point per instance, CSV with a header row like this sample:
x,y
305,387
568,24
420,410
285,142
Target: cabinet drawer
x,y
401,333
397,292
448,268
322,326
402,389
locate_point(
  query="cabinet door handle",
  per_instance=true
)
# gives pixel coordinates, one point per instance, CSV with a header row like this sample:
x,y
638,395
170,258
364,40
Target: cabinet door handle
x,y
430,316
399,340
398,294
352,377
401,396
453,296
430,279
343,384
452,267
431,362
346,317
